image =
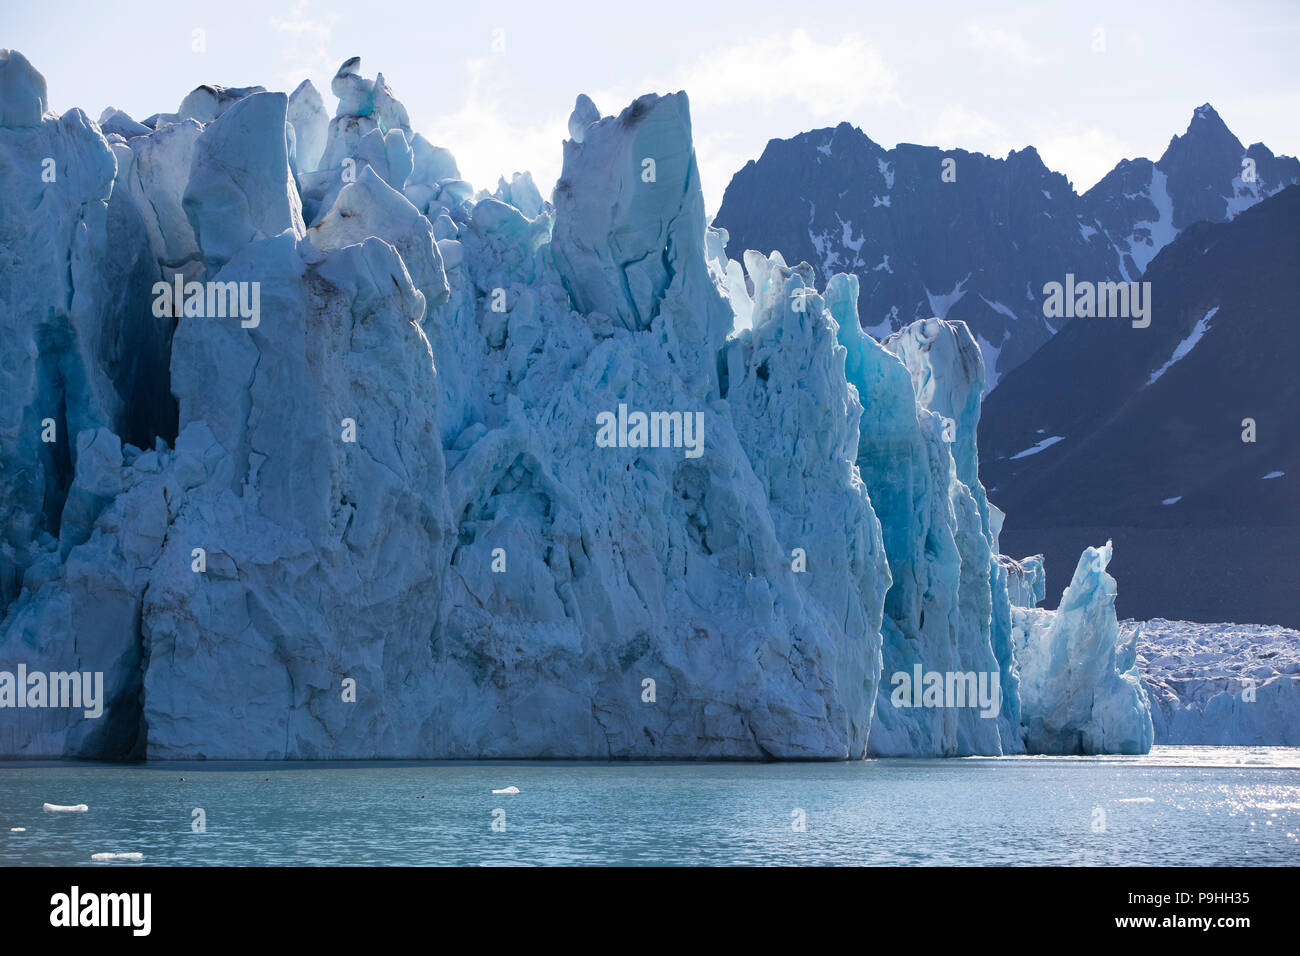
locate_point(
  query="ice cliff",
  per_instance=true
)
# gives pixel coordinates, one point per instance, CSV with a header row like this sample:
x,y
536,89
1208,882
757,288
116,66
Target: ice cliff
x,y
1081,692
367,507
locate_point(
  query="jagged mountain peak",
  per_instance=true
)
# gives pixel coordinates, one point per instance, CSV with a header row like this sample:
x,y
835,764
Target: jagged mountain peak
x,y
1207,138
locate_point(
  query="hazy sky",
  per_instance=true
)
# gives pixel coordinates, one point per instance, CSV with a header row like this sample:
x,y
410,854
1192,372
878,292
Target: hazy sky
x,y
495,82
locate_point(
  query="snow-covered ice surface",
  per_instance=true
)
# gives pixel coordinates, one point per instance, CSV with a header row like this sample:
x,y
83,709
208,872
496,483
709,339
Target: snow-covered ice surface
x,y
374,518
1233,684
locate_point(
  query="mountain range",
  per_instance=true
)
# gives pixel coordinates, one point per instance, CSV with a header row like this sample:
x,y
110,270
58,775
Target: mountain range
x,y
965,236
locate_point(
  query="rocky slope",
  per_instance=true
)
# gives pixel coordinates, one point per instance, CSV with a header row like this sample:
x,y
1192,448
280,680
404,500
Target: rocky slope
x,y
1177,439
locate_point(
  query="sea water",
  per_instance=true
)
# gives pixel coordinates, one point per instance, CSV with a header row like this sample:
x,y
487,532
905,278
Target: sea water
x,y
1177,805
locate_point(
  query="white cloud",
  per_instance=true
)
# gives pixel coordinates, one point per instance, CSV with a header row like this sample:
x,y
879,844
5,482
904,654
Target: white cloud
x,y
1083,155
1252,116
809,81
821,81
719,157
958,127
308,54
828,79
487,143
1007,44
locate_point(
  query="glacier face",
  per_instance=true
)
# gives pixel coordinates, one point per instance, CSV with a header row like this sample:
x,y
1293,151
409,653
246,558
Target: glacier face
x,y
1081,692
1228,684
372,515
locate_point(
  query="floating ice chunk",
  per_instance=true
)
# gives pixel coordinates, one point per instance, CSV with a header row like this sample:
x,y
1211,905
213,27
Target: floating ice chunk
x,y
1171,501
56,808
17,829
507,790
1273,474
117,856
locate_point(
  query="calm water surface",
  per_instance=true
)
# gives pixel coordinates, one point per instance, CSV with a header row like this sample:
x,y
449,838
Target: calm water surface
x,y
1178,805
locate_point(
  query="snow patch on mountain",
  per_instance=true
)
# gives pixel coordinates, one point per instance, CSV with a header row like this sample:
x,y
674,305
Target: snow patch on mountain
x,y
1034,449
1186,345
942,302
1151,235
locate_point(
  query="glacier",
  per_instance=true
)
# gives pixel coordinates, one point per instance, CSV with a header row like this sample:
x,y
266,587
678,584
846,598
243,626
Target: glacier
x,y
1220,684
1080,684
374,522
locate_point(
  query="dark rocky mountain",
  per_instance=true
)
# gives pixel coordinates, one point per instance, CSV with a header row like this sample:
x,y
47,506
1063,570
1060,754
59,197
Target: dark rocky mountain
x,y
1202,176
980,243
1136,434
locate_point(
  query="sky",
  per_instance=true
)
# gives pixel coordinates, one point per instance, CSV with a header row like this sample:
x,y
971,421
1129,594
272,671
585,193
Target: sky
x,y
495,81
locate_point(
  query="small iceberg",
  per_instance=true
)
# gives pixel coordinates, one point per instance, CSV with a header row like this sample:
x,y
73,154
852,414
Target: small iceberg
x,y
55,808
17,829
117,856
507,790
